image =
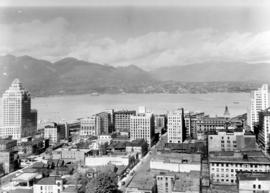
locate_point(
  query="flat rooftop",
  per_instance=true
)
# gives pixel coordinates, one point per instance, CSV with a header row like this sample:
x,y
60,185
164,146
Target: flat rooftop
x,y
239,157
178,157
187,182
49,180
251,176
25,177
142,181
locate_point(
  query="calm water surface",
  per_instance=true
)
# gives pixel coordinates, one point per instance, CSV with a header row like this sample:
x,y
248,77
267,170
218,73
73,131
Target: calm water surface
x,y
76,106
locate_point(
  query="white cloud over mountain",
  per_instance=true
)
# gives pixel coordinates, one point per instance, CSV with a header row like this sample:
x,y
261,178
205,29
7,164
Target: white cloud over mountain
x,y
53,40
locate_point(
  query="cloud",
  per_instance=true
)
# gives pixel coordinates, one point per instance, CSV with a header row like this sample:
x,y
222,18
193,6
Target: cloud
x,y
54,40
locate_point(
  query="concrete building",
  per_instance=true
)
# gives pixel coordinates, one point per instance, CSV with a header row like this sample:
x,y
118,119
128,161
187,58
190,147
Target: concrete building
x,y
187,183
70,155
9,161
138,146
224,166
165,181
160,123
18,118
142,126
210,124
143,182
35,146
122,121
191,119
263,135
90,126
249,182
52,184
105,122
102,139
7,144
258,102
176,126
231,140
54,132
176,162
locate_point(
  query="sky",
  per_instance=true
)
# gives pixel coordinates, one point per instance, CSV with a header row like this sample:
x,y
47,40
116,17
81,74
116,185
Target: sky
x,y
149,34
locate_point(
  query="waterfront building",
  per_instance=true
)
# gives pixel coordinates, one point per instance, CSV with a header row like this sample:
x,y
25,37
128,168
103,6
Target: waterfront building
x,y
52,184
264,130
224,166
90,126
231,140
122,120
176,126
19,120
258,102
105,122
250,182
142,126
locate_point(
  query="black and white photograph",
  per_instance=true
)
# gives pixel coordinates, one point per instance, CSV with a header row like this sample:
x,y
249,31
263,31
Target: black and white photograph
x,y
134,96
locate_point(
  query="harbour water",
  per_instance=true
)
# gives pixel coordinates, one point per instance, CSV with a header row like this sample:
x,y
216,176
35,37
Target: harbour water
x,y
68,108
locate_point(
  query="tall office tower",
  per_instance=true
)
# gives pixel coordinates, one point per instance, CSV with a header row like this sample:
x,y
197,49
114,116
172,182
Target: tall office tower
x,y
176,126
18,118
142,126
259,102
122,120
263,136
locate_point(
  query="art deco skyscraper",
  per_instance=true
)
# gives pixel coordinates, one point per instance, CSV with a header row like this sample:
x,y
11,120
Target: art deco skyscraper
x,y
259,102
18,119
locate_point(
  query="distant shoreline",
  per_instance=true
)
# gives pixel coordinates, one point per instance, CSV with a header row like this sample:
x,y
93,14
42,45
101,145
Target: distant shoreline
x,y
119,94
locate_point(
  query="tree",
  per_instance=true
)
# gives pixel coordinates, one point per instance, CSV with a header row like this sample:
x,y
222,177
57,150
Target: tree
x,y
105,182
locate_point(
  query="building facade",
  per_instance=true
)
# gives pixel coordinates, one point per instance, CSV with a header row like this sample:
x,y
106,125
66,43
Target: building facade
x,y
52,184
18,118
258,102
105,122
250,182
90,126
176,126
191,119
225,165
54,132
231,140
264,130
142,126
122,120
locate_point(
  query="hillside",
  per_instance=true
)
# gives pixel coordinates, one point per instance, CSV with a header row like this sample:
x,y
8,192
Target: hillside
x,y
219,71
69,75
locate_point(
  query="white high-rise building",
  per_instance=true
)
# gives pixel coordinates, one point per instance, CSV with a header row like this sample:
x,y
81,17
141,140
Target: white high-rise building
x,y
176,126
142,126
259,102
18,119
264,130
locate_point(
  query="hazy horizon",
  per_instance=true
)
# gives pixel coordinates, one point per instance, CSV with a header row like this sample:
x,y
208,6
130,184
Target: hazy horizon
x,y
148,36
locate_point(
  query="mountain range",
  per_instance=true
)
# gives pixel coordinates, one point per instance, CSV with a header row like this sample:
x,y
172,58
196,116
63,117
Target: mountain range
x,y
73,76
